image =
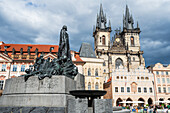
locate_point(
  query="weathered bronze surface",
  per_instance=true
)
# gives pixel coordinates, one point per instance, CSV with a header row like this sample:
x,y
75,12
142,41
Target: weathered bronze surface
x,y
61,66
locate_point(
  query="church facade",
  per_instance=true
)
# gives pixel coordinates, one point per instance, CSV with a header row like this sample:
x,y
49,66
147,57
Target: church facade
x,y
126,78
123,49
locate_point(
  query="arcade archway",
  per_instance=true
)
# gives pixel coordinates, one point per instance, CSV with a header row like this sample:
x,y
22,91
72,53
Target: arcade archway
x,y
118,102
141,99
150,101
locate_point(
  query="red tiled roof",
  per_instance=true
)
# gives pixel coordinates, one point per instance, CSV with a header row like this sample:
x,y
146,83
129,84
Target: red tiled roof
x,y
41,48
17,47
109,79
78,58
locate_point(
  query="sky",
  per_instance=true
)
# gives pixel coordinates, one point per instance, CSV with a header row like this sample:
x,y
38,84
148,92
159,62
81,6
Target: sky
x,y
40,22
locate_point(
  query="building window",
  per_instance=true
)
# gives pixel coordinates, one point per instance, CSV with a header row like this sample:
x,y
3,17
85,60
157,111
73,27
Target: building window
x,y
139,89
137,77
100,39
116,89
96,72
14,67
3,67
159,89
89,86
104,64
104,71
145,90
163,80
157,72
146,78
117,77
158,80
164,89
142,78
121,77
133,58
162,72
1,84
132,41
89,72
103,40
168,89
166,73
22,68
125,77
97,86
122,89
150,90
128,89
168,81
118,62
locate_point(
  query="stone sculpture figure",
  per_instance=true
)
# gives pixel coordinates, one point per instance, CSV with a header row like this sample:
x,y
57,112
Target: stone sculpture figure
x,y
61,66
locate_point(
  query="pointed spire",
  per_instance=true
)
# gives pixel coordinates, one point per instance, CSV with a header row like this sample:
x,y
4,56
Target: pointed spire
x,y
128,19
93,28
109,24
101,19
137,24
101,10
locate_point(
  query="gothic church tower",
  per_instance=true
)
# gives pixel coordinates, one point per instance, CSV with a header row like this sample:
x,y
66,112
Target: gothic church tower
x,y
101,34
123,50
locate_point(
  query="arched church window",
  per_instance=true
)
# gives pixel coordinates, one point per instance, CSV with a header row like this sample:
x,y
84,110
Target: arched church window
x,y
97,86
96,72
103,40
89,86
132,41
118,62
89,72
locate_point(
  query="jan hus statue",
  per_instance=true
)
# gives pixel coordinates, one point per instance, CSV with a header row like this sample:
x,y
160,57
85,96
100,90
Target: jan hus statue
x,y
63,65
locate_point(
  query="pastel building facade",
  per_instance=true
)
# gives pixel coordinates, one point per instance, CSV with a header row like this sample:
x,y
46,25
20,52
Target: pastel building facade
x,y
133,85
162,81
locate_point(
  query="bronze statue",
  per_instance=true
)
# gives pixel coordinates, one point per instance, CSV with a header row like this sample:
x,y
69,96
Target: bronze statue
x,y
61,66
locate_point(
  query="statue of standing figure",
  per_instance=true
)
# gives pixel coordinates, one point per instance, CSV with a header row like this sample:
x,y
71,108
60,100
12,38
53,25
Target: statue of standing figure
x,y
61,66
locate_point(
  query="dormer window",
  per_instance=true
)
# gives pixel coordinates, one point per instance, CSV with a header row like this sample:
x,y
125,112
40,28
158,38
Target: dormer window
x,y
5,47
52,48
29,47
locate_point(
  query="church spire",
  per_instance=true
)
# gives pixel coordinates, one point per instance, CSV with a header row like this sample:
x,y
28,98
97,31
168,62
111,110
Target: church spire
x,y
101,19
128,19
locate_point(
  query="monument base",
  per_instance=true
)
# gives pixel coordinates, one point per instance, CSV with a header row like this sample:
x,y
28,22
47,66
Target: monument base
x,y
49,92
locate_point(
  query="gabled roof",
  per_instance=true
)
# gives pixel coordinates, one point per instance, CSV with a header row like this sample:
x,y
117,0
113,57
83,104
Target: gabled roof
x,y
86,50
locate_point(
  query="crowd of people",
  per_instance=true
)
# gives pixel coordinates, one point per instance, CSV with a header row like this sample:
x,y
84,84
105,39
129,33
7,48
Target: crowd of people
x,y
149,109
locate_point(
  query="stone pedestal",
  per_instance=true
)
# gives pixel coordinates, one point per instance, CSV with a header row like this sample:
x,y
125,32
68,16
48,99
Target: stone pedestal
x,y
49,92
102,106
77,106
